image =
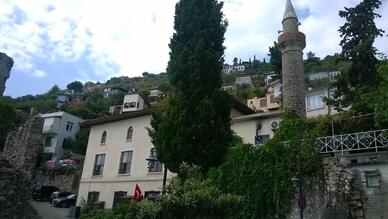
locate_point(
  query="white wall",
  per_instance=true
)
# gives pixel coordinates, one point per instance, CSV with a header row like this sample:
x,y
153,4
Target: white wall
x,y
116,142
246,129
58,121
133,98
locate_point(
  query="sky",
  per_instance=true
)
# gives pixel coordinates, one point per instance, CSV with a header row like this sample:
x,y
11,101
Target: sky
x,y
56,42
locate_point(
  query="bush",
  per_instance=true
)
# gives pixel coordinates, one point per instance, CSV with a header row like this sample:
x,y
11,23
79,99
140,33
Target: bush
x,y
189,196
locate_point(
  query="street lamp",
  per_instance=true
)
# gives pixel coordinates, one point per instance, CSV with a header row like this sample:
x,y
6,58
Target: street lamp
x,y
151,163
297,182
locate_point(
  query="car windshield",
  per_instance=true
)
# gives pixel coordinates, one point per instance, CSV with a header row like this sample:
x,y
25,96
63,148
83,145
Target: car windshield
x,y
64,194
71,196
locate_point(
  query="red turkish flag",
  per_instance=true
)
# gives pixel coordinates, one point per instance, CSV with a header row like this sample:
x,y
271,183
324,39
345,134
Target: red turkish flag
x,y
137,195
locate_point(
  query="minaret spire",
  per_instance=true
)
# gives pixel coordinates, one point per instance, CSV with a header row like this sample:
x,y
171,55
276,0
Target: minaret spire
x,y
290,11
291,44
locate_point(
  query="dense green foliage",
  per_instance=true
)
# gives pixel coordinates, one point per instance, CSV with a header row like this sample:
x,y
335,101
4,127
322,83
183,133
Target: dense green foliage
x,y
76,86
263,176
8,119
194,127
80,143
276,58
192,196
381,98
358,35
329,63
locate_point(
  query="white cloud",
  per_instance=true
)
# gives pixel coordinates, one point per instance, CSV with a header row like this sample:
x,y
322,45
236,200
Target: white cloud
x,y
127,37
38,73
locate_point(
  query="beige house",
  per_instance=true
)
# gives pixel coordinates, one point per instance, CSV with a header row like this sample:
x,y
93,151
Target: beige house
x,y
117,150
115,159
264,104
258,128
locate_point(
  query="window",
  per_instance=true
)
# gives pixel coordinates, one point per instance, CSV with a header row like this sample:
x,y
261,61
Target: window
x,y
125,162
372,178
99,165
261,139
272,99
48,141
69,126
103,138
315,102
93,197
118,196
263,103
152,195
129,133
154,166
130,105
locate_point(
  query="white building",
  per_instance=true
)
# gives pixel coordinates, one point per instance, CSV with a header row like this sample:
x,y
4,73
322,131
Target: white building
x,y
323,75
155,95
57,127
270,77
227,69
239,68
133,102
116,156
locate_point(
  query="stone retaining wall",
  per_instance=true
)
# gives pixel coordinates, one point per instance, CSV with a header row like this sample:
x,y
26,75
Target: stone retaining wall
x,y
23,144
15,191
346,193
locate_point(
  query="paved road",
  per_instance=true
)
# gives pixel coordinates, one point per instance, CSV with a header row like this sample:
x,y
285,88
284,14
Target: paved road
x,y
47,211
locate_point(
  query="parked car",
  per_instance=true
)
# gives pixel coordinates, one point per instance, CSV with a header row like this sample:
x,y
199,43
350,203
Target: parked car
x,y
65,202
58,194
43,193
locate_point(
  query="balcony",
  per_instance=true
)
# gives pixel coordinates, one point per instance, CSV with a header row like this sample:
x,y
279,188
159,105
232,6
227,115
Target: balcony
x,y
354,142
49,129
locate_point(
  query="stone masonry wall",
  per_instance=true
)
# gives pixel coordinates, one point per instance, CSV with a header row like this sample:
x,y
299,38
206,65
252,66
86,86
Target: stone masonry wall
x,y
23,144
15,191
346,194
65,182
293,81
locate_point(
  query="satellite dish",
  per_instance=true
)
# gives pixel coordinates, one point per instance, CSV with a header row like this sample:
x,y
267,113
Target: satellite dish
x,y
274,125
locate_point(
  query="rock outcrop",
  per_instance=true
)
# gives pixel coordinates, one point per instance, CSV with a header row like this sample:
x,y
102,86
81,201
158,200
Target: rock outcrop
x,y
22,145
6,64
15,191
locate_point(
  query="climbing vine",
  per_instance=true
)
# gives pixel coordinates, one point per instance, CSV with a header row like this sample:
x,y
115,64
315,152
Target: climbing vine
x,y
263,175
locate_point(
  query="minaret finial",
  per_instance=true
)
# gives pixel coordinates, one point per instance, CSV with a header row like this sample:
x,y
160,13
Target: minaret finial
x,y
290,11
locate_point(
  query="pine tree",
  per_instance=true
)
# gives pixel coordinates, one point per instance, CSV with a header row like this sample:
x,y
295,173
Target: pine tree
x,y
358,35
194,125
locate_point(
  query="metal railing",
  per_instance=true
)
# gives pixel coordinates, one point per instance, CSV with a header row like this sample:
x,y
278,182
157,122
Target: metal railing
x,y
361,141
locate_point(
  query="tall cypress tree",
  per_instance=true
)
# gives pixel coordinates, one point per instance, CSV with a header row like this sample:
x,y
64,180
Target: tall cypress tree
x,y
276,58
194,125
359,32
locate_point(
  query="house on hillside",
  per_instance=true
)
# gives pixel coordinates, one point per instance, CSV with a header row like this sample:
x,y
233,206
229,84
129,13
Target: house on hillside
x,y
318,88
57,127
155,95
227,69
270,77
117,152
266,103
114,90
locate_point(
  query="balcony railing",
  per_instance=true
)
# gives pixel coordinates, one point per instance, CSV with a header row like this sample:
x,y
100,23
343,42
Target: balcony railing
x,y
361,141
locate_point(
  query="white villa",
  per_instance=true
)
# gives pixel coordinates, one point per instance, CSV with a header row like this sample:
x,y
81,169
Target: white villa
x,y
119,145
